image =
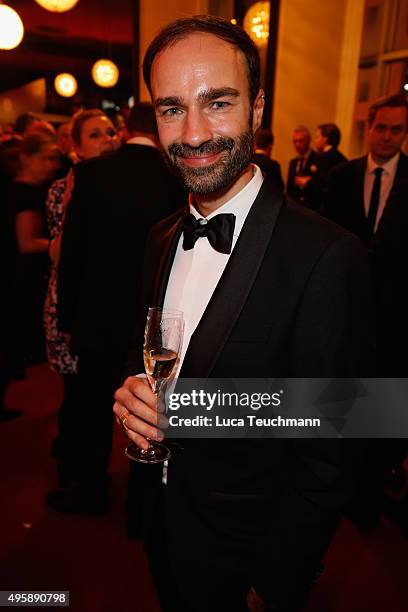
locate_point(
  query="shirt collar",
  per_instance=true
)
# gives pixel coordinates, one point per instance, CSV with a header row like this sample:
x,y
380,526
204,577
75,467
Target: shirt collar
x,y
306,155
390,167
141,140
240,204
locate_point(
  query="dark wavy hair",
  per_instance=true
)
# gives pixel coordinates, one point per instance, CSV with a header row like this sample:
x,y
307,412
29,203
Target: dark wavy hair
x,y
331,132
208,24
395,101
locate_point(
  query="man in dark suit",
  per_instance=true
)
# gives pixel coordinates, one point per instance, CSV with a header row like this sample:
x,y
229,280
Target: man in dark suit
x,y
300,186
262,157
358,199
241,525
327,140
116,199
358,190
389,256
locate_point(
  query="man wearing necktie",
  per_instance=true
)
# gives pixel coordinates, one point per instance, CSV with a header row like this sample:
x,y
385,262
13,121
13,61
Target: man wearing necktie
x,y
365,197
267,289
300,186
358,190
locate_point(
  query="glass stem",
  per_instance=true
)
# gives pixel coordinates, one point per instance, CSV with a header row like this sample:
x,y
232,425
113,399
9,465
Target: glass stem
x,y
156,387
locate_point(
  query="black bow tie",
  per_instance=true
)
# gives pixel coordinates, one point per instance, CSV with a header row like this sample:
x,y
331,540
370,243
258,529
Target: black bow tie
x,y
219,231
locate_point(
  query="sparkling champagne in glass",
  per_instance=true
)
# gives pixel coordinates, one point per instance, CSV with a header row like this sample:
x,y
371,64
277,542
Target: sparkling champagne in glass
x,y
162,345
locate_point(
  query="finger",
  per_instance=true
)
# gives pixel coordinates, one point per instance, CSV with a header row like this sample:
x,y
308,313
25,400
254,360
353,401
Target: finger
x,y
140,388
119,411
136,406
137,430
138,427
140,441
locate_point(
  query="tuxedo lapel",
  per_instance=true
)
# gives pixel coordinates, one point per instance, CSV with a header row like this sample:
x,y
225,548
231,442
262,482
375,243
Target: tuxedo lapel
x,y
169,242
235,285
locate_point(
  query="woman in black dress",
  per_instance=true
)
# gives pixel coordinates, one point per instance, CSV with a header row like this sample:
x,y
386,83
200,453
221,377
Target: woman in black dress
x,y
26,201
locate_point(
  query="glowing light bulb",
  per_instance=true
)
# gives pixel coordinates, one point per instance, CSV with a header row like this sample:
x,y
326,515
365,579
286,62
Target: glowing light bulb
x,y
57,6
256,22
11,28
105,73
65,85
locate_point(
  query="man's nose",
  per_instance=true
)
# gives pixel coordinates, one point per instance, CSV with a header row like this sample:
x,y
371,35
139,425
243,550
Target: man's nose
x,y
196,129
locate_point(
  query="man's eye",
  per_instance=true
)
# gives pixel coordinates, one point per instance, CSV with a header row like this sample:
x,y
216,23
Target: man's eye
x,y
219,105
171,112
94,135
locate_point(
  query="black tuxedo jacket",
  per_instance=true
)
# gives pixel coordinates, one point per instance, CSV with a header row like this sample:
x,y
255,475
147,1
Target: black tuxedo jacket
x,y
344,201
116,200
389,258
329,159
292,301
306,196
270,168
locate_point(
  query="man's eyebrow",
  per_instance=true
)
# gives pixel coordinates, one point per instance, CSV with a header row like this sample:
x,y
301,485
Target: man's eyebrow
x,y
214,93
205,96
169,101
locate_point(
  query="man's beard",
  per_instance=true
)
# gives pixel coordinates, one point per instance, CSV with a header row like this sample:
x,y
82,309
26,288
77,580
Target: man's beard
x,y
236,154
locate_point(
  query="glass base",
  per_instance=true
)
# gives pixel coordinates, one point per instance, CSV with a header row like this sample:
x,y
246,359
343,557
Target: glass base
x,y
156,453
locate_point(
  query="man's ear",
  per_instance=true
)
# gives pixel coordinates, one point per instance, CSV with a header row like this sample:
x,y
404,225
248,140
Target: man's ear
x,y
259,105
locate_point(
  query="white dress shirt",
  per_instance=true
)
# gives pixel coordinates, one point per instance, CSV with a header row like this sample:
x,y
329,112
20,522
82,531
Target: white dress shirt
x,y
387,179
196,273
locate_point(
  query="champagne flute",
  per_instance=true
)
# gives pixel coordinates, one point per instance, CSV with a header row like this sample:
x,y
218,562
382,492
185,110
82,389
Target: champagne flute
x,y
163,339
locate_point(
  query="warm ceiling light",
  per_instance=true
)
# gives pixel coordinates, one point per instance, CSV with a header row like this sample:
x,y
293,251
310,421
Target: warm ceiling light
x,y
256,22
105,73
57,6
11,28
65,85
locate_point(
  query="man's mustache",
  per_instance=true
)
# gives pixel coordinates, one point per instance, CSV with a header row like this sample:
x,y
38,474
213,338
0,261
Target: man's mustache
x,y
210,147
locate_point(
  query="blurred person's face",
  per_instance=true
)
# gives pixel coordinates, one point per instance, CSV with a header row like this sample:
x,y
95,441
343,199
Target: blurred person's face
x,y
8,133
98,136
42,127
387,132
205,120
320,141
121,129
64,140
42,166
301,142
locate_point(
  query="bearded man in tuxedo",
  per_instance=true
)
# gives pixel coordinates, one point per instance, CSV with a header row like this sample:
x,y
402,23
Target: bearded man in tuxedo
x,y
278,291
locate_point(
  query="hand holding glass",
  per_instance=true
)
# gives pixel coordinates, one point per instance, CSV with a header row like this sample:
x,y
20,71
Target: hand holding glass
x,y
162,345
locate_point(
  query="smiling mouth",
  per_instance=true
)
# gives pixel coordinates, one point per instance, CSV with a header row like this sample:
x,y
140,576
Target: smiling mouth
x,y
201,160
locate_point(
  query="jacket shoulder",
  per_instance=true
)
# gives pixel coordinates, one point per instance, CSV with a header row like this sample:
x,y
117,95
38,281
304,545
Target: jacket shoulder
x,y
313,229
346,168
403,160
160,228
